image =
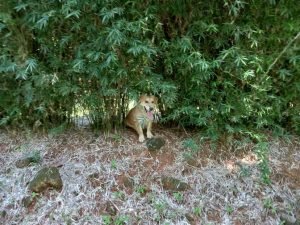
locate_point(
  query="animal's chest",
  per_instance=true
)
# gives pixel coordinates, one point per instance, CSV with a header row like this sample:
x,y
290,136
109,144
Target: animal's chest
x,y
143,120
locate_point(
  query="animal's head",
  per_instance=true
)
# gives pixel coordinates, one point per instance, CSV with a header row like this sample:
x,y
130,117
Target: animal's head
x,y
149,102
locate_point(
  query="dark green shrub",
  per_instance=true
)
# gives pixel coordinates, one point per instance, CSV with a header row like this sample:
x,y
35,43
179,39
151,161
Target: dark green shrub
x,y
225,67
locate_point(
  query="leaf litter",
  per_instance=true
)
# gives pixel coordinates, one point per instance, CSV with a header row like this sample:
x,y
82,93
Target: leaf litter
x,y
113,179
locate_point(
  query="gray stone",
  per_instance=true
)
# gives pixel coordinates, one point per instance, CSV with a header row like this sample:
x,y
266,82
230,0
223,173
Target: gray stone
x,y
48,177
28,201
27,161
173,184
191,160
3,213
155,144
128,182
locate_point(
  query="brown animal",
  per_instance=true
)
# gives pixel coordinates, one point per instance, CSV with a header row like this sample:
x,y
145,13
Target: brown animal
x,y
142,116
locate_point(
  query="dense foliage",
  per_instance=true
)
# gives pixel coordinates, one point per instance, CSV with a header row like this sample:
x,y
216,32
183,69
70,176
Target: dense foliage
x,y
228,67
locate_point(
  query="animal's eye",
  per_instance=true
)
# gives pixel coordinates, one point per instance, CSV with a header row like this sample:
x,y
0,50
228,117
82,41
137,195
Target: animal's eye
x,y
152,102
146,101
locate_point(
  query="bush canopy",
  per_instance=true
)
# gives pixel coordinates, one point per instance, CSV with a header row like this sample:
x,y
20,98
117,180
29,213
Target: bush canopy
x,y
223,67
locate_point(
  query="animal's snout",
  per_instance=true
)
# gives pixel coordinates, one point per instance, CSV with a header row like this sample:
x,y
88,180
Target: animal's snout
x,y
151,108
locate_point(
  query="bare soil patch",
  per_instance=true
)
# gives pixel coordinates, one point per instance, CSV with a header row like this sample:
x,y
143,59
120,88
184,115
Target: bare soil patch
x,y
113,179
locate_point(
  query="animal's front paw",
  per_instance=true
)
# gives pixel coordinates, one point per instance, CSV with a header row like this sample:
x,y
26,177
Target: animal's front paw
x,y
141,138
149,135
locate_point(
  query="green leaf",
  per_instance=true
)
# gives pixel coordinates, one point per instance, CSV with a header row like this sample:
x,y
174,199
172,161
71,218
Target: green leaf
x,y
115,37
111,58
185,44
241,60
21,6
78,65
31,64
248,74
42,22
284,73
75,13
109,14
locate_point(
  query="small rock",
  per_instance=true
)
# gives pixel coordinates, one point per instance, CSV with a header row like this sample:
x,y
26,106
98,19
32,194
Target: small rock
x,y
94,176
173,184
28,201
155,144
128,182
3,213
27,161
48,177
192,162
124,181
278,198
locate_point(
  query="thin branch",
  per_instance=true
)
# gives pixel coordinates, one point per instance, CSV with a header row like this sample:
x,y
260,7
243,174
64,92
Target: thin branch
x,y
282,52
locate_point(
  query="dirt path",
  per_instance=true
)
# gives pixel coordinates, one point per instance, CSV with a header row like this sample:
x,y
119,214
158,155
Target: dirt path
x,y
116,180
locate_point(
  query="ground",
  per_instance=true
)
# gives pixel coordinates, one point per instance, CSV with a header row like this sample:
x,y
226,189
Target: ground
x,y
114,179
